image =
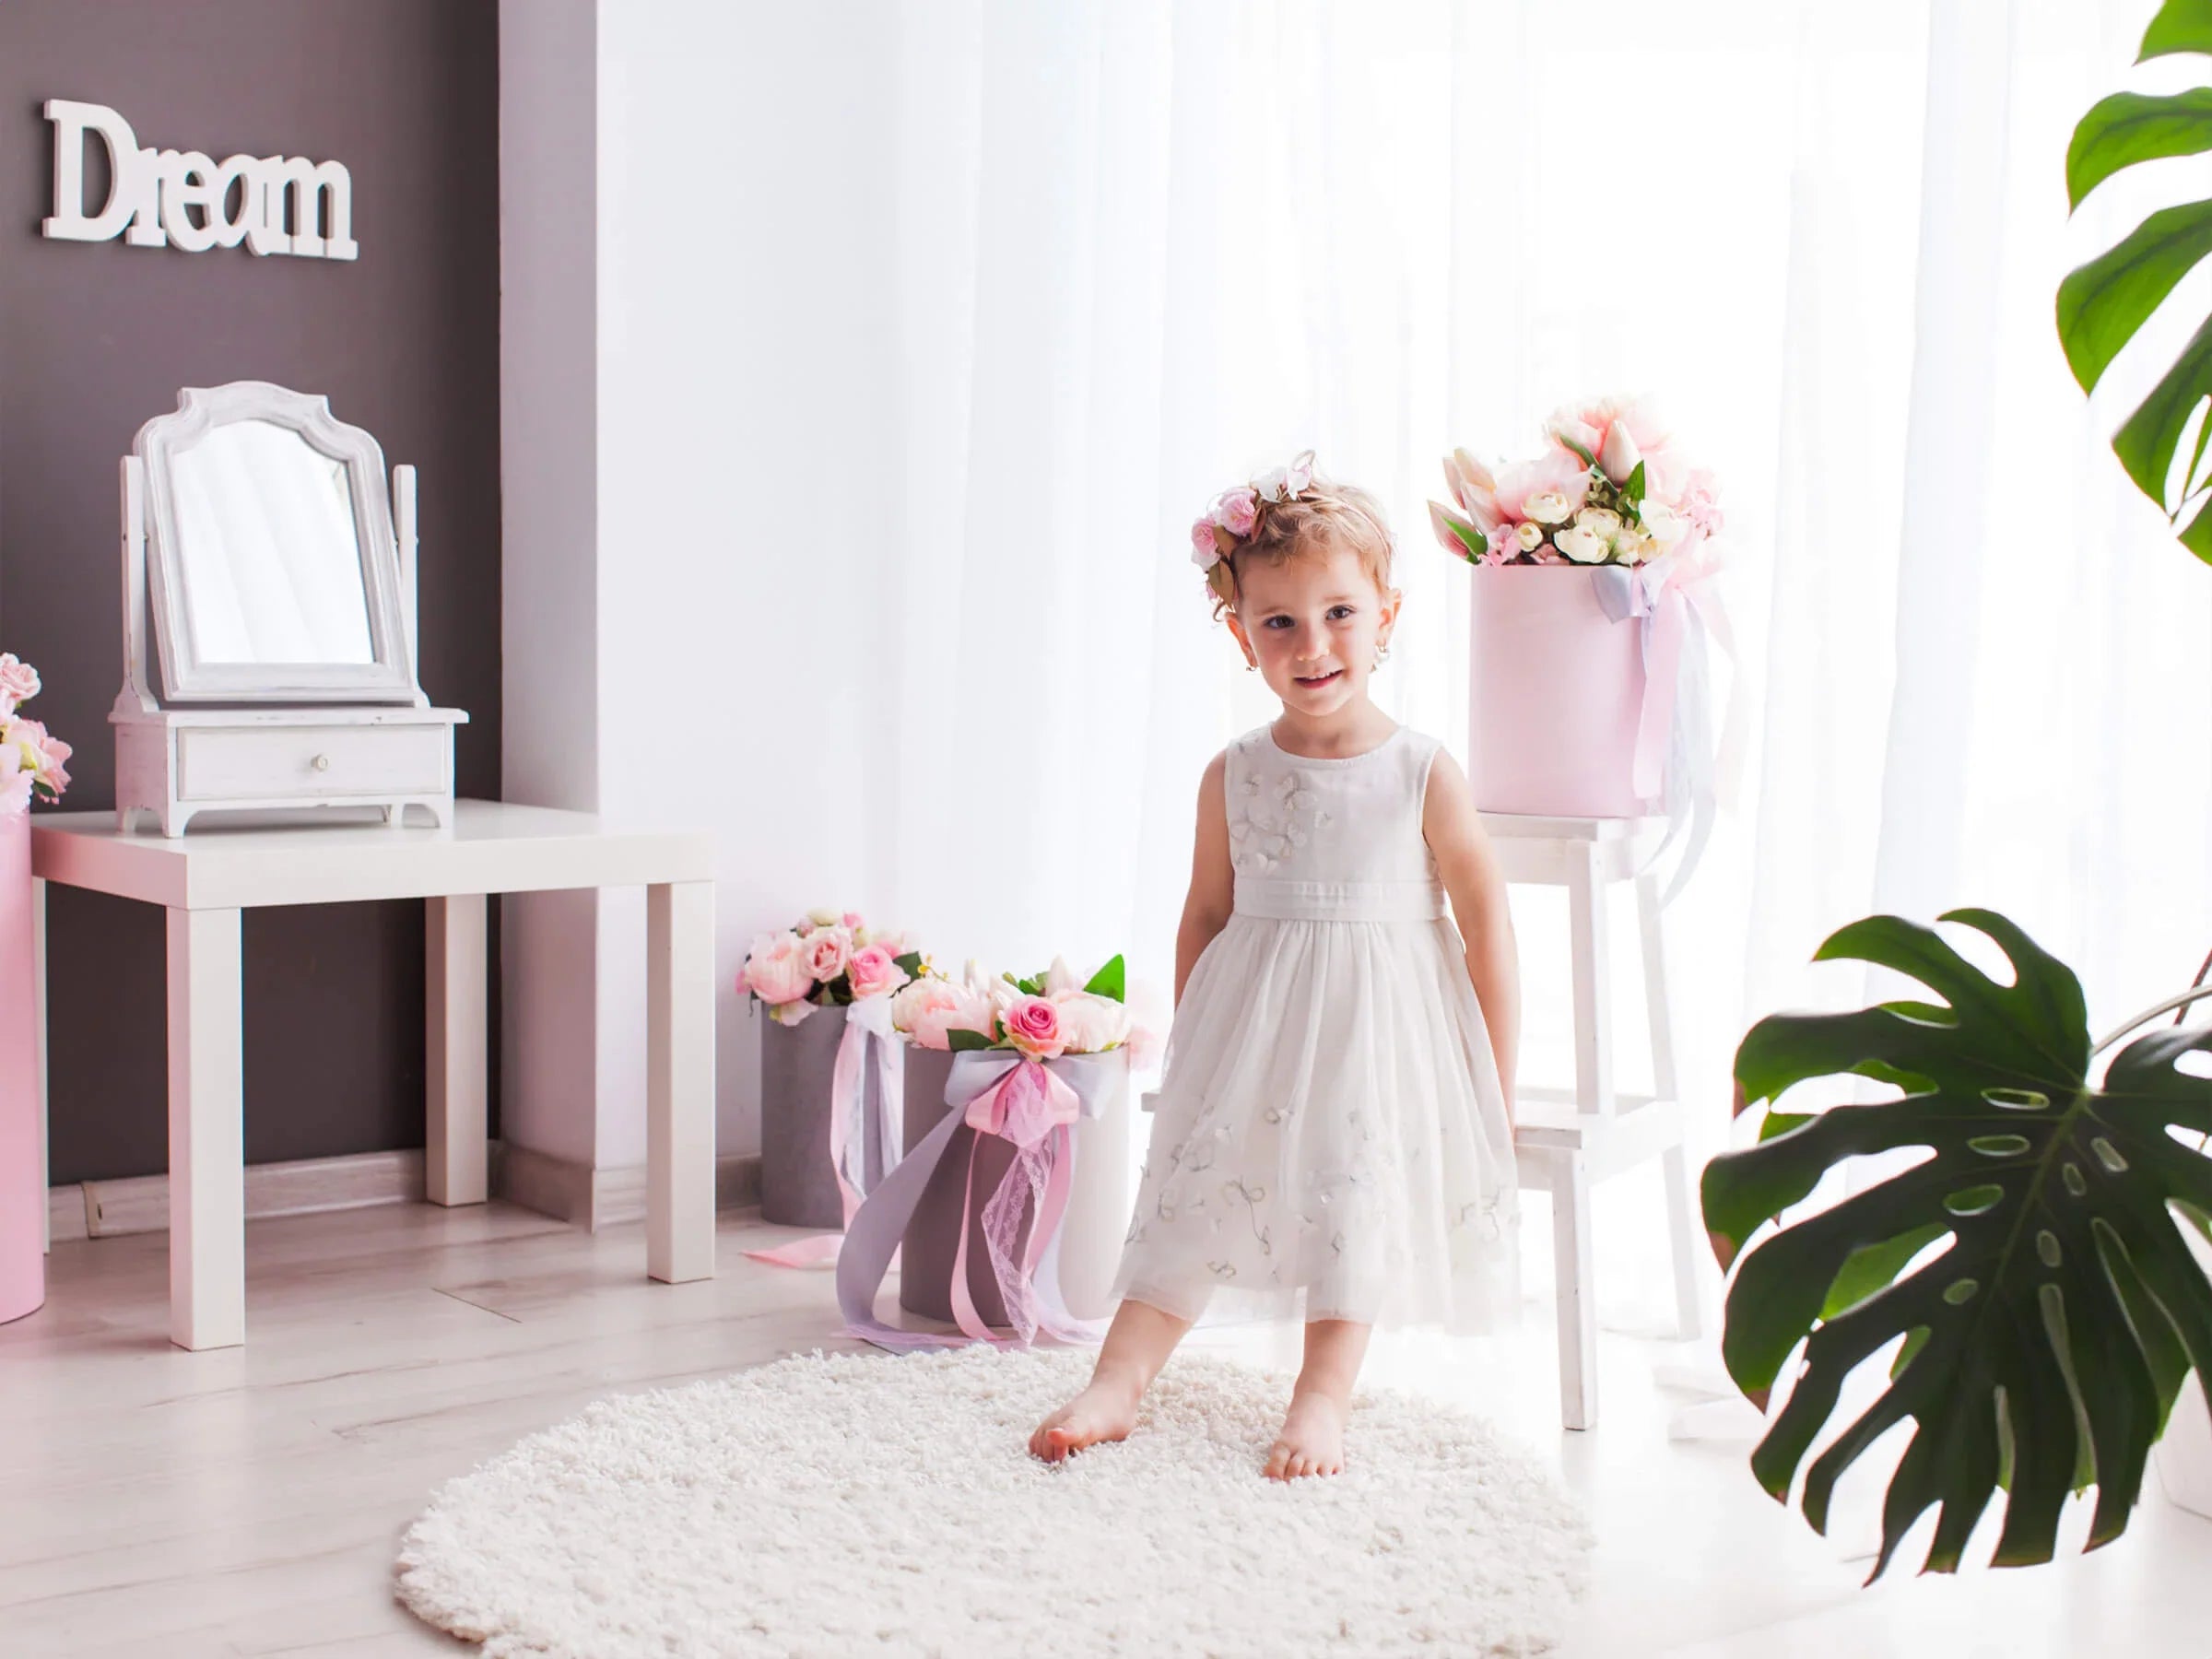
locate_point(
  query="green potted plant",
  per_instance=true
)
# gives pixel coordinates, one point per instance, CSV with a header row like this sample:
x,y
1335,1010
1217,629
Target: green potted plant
x,y
2047,1266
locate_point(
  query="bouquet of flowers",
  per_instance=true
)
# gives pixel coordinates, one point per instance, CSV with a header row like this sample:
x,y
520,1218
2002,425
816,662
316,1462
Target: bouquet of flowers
x,y
1042,1016
1611,488
827,959
30,759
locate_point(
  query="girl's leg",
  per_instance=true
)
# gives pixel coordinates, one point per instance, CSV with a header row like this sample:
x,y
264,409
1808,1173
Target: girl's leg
x,y
1311,1442
1137,1344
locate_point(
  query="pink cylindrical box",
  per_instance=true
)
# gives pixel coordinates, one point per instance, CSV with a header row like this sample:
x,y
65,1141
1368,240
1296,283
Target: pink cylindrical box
x,y
1555,690
22,1166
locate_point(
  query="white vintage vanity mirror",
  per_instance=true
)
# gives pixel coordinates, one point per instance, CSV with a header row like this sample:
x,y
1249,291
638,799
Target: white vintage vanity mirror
x,y
278,578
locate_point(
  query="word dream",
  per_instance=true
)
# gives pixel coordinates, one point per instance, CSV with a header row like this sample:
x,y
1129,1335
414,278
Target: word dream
x,y
270,204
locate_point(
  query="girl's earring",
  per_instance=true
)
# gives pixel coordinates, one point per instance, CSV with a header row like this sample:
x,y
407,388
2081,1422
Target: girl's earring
x,y
1382,653
1250,667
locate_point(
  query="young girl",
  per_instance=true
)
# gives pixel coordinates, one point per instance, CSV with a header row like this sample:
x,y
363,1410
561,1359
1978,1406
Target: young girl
x,y
1335,1121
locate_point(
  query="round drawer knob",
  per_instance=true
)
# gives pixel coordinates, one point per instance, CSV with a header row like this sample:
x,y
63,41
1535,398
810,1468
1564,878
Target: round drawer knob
x,y
322,762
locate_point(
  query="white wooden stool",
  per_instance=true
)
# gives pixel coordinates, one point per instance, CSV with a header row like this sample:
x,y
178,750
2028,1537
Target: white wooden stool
x,y
1570,1140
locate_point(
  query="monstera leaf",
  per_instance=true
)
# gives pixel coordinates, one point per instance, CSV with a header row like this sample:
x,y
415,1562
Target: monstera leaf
x,y
2104,303
2046,1340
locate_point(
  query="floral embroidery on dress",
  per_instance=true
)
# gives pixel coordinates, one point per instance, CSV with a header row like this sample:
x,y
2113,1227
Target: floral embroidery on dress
x,y
1275,814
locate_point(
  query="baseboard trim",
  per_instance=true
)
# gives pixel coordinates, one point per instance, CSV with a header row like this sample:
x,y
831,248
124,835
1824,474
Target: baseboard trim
x,y
568,1192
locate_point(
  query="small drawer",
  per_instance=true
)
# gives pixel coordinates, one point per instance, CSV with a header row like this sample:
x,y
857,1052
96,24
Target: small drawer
x,y
281,762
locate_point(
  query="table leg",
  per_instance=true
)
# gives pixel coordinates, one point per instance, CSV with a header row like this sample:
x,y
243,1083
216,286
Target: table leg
x,y
454,1144
206,1132
1578,1300
679,1083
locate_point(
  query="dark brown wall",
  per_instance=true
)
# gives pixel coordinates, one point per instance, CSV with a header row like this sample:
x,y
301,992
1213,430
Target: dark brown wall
x,y
96,338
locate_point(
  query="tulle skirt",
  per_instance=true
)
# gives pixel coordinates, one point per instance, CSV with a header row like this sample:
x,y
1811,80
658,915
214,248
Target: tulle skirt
x,y
1329,1140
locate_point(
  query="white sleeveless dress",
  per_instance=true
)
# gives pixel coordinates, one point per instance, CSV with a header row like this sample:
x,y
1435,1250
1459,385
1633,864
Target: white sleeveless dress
x,y
1330,1137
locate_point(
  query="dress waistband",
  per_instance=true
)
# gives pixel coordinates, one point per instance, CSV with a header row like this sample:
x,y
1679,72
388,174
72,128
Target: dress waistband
x,y
1276,898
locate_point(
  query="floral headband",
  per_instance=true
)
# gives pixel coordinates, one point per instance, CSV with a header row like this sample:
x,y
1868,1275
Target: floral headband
x,y
1232,515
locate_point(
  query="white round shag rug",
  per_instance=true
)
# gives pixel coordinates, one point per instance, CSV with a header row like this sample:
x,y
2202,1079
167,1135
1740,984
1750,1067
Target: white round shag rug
x,y
861,1504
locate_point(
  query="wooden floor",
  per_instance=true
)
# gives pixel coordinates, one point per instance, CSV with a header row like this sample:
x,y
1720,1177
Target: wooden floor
x,y
249,1502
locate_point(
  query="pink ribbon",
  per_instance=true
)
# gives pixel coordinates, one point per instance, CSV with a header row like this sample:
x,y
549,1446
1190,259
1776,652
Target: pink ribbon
x,y
1035,1106
867,1043
1662,597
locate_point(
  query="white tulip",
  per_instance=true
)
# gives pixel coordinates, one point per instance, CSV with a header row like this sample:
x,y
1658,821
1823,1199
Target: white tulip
x,y
1583,546
1620,456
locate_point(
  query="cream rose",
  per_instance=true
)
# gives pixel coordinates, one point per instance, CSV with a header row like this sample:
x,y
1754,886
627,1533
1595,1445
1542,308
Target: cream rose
x,y
1092,1024
1549,507
1530,536
1581,546
1599,521
1663,523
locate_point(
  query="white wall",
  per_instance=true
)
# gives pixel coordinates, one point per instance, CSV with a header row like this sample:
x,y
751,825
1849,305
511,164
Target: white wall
x,y
696,359
548,391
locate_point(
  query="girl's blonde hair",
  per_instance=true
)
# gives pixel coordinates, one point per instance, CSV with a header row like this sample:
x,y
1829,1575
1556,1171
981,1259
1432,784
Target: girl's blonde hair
x,y
1322,516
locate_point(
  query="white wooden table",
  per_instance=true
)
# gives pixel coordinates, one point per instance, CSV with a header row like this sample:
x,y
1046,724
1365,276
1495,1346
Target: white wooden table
x,y
204,879
1568,1140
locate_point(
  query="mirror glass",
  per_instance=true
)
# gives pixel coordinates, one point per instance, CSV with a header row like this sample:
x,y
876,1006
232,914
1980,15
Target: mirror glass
x,y
268,552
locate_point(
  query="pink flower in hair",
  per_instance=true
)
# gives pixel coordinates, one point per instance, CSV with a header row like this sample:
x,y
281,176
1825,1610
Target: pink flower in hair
x,y
1205,553
1236,510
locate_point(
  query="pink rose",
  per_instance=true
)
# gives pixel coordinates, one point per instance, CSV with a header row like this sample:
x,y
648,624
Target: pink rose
x,y
851,919
828,951
1236,510
18,683
1700,502
1033,1026
776,971
876,971
41,753
1090,1024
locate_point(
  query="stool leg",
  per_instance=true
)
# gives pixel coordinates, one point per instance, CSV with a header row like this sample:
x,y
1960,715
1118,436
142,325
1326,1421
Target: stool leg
x,y
1592,988
1681,1224
1578,1300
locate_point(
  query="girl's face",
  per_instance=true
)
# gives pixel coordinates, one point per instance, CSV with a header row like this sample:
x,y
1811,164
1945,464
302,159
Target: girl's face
x,y
1313,625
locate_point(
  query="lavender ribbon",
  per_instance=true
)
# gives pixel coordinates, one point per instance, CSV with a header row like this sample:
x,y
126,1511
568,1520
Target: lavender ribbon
x,y
1673,637
881,1221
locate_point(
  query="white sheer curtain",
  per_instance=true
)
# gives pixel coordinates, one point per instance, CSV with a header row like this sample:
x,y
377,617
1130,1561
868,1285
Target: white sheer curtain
x,y
1142,248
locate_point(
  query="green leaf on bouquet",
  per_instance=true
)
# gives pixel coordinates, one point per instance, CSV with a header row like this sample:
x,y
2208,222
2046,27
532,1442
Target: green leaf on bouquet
x,y
1032,986
959,1041
910,964
1470,539
1632,491
2048,1339
1109,980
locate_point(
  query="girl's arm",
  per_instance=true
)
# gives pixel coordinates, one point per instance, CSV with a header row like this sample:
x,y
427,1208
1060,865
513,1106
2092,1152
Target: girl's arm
x,y
1213,883
1469,869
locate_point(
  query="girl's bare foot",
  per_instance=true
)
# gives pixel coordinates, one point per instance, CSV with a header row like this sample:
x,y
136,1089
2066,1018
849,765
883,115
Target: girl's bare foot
x,y
1106,1410
1311,1442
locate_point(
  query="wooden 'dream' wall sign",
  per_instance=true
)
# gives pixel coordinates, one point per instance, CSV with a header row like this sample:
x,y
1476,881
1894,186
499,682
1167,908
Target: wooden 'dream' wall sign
x,y
185,199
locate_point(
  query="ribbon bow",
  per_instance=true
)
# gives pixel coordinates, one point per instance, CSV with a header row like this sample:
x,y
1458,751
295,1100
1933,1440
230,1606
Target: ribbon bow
x,y
1678,610
1035,1105
868,1062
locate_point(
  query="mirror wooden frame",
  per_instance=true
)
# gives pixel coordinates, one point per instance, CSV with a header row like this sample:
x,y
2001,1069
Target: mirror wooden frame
x,y
185,676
